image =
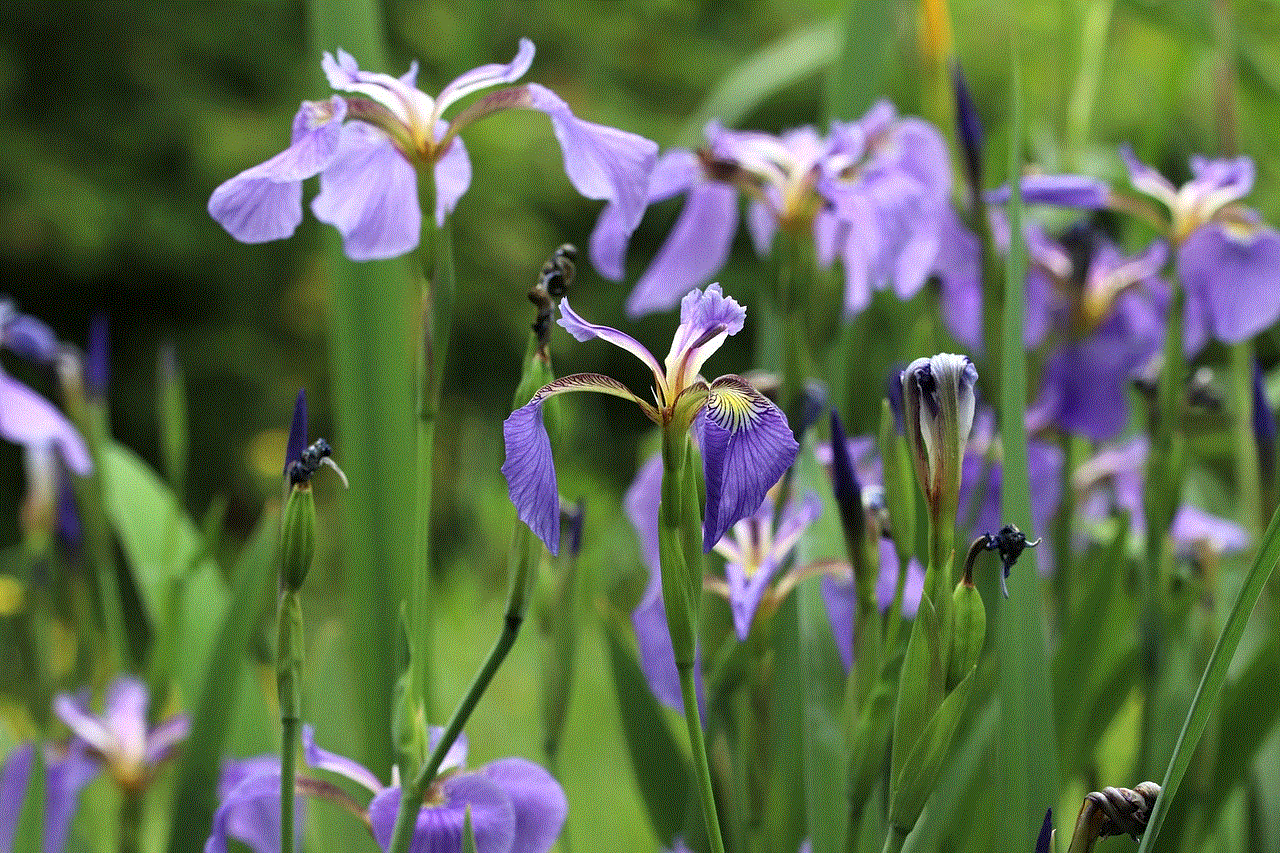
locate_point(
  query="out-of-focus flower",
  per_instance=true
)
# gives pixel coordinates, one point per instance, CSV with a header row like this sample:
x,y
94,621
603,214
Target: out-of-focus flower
x,y
119,739
514,804
871,193
1227,258
26,336
28,419
744,438
368,165
66,772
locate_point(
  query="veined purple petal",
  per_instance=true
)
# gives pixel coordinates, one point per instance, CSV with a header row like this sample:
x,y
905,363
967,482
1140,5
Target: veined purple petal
x,y
322,759
1235,277
249,811
537,798
456,757
583,331
370,194
602,162
529,466
707,318
694,251
439,827
486,76
264,202
453,176
14,777
1074,191
746,446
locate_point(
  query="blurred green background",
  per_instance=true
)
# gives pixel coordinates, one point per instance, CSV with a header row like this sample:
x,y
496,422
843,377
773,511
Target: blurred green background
x,y
118,119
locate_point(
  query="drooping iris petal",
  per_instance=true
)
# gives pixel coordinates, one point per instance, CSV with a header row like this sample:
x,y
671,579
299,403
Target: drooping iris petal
x,y
370,194
14,777
641,504
602,162
438,828
1235,277
249,811
1073,191
165,737
322,759
653,643
486,76
529,467
456,756
28,419
695,249
28,337
536,797
707,318
674,172
65,776
583,331
746,446
264,202
453,176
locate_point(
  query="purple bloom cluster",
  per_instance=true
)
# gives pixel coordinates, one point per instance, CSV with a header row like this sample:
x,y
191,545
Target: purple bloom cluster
x,y
514,804
872,193
368,144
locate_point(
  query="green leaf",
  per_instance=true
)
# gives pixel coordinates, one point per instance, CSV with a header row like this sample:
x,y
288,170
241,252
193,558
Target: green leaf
x,y
1027,751
662,770
195,798
919,688
468,833
784,810
161,544
825,754
920,771
1214,675
781,64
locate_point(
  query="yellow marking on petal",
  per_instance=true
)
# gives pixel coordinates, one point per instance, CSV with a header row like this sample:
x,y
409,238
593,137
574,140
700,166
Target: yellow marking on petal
x,y
733,408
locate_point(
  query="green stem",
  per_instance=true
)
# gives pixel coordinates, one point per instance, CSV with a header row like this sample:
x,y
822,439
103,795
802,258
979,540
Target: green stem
x,y
411,798
697,741
288,779
894,840
1248,478
289,638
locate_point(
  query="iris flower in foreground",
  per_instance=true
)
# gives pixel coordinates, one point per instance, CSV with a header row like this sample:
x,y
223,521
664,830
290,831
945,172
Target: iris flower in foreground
x,y
368,144
515,805
745,442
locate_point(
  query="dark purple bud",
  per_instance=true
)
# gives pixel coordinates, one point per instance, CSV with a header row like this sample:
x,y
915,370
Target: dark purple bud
x,y
1044,844
574,517
297,432
1264,426
968,131
893,391
98,357
70,528
844,480
814,400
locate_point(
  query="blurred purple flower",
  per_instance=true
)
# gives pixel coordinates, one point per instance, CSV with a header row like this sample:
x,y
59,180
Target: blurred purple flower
x,y
28,419
515,805
27,336
368,166
120,739
1227,258
66,773
871,193
745,441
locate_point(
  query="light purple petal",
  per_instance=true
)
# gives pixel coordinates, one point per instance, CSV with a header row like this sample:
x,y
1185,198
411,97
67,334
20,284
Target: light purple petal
x,y
125,716
745,593
486,76
653,642
958,265
1073,191
583,331
841,599
410,106
887,582
250,810
370,194
439,827
538,799
28,419
1192,526
456,757
65,777
746,446
1216,183
14,777
28,337
675,172
707,319
641,503
84,725
324,760
762,224
1235,278
1147,180
264,202
601,162
609,243
694,251
453,176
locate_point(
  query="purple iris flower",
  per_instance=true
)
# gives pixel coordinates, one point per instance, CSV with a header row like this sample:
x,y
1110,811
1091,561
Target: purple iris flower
x,y
1227,258
514,804
27,336
870,192
744,438
1111,318
1112,480
66,772
368,165
28,419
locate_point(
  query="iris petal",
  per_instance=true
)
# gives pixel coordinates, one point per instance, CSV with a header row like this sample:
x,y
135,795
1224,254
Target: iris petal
x,y
439,827
370,194
746,446
536,797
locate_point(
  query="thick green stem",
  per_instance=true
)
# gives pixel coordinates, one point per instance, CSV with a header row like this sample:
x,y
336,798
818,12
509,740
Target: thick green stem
x,y
693,721
894,840
411,797
288,776
289,692
1248,478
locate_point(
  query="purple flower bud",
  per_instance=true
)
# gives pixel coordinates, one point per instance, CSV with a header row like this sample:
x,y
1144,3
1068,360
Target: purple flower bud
x,y
968,131
1264,426
297,432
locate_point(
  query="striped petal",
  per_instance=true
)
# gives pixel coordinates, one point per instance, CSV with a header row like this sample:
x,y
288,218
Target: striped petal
x,y
746,446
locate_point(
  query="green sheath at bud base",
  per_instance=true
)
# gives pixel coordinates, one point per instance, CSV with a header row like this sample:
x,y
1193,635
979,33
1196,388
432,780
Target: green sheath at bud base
x,y
297,537
289,641
969,621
